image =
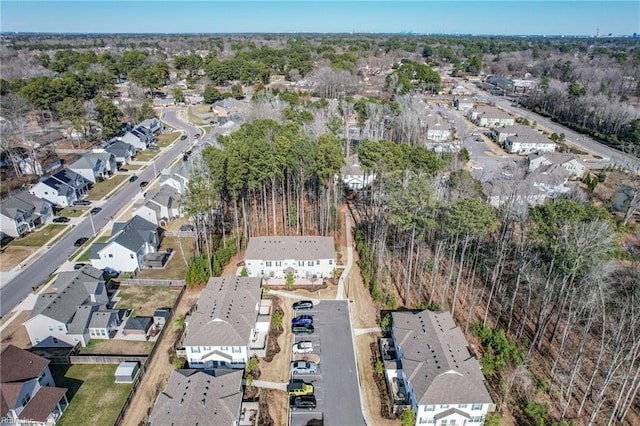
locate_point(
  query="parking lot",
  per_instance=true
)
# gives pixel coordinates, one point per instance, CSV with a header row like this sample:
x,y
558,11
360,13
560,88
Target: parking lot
x,y
336,383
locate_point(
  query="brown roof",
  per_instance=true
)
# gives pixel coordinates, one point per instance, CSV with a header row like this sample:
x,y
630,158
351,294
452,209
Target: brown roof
x,y
19,365
9,393
436,360
298,248
43,403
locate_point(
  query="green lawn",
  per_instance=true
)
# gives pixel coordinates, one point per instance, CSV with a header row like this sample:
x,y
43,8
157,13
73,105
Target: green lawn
x,y
165,139
176,268
40,237
85,257
94,397
194,119
100,189
133,166
73,211
146,155
115,347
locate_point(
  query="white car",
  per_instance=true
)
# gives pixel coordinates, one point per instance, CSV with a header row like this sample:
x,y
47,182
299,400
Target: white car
x,y
304,347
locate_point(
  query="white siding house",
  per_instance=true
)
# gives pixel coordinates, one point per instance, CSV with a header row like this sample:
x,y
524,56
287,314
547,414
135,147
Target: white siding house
x,y
490,116
352,174
569,162
23,212
302,257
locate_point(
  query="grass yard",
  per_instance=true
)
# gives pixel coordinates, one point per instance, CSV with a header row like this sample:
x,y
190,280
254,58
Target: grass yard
x,y
40,237
101,189
146,155
73,211
12,255
117,347
133,166
94,398
145,299
15,333
183,249
166,139
194,119
84,257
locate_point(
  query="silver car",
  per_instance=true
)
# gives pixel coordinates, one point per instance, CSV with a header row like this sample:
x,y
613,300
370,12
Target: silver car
x,y
304,347
304,367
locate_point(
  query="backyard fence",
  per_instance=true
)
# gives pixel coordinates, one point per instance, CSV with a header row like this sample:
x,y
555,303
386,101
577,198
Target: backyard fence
x,y
106,359
179,234
168,283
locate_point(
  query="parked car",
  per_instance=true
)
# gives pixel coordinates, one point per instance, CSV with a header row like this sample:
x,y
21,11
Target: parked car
x,y
303,367
133,178
110,273
299,387
143,184
183,137
302,319
95,210
82,203
80,241
197,135
302,328
122,169
304,402
78,266
61,219
303,305
304,347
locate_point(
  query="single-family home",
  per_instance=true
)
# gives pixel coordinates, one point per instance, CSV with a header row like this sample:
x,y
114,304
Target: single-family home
x,y
28,393
569,162
490,116
221,113
353,176
129,242
160,206
122,151
219,332
464,104
23,212
524,140
63,317
95,166
299,256
199,397
140,138
552,179
433,371
152,124
519,194
178,176
437,129
61,188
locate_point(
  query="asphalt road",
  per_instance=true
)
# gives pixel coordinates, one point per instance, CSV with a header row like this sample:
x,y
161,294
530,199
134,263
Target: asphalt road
x,y
13,292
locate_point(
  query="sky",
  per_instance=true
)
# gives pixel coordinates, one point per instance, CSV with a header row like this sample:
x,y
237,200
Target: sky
x,y
504,17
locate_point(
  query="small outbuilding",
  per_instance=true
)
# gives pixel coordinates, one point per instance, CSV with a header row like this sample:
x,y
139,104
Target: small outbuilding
x,y
138,326
127,371
160,317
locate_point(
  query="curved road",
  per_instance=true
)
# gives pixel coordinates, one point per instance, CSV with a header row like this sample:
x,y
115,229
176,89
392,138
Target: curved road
x,y
13,292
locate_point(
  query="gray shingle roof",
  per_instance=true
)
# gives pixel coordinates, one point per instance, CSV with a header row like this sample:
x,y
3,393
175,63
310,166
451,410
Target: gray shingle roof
x,y
299,248
352,167
19,204
133,233
120,148
490,111
164,195
226,313
71,178
81,319
138,323
436,360
102,319
199,398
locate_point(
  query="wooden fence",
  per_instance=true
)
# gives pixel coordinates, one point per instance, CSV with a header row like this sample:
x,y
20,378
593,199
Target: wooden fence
x,y
106,359
168,283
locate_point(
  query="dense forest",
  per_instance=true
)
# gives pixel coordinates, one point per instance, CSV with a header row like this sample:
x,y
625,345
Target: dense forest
x,y
549,293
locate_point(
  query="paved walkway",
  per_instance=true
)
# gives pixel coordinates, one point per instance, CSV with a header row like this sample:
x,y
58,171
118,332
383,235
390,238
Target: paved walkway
x,y
294,296
360,331
345,273
270,385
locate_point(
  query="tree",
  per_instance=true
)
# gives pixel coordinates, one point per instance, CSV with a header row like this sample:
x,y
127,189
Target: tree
x,y
212,94
178,95
407,417
236,91
109,116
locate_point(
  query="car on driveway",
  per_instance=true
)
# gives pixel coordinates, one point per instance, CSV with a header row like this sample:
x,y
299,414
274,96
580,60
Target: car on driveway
x,y
78,266
302,319
305,402
80,241
299,387
61,219
303,367
82,203
303,347
143,184
302,328
110,273
95,210
303,305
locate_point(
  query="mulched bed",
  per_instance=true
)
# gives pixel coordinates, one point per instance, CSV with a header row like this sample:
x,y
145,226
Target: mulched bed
x,y
385,405
273,347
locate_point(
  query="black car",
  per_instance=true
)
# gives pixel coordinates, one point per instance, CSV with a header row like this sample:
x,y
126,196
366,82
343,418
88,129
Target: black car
x,y
80,241
302,328
183,137
82,203
302,402
303,305
143,184
95,210
61,219
133,178
123,170
79,266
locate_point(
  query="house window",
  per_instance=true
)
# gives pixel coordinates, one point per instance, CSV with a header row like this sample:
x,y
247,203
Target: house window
x,y
26,399
317,262
110,255
330,261
429,408
131,255
423,421
475,407
267,263
224,348
206,348
278,263
103,332
236,349
41,376
300,262
477,419
462,405
444,405
50,328
310,263
60,328
195,349
37,340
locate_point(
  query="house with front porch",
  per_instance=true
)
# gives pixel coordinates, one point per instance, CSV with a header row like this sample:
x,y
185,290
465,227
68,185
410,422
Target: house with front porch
x,y
22,213
140,138
429,367
220,332
353,176
437,130
298,256
161,206
95,166
130,241
153,125
28,391
122,151
61,188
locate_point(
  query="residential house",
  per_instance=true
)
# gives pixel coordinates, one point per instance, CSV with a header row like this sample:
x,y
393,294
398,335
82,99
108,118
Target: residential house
x,y
28,395
61,188
63,317
95,166
464,104
552,179
138,326
567,161
222,114
434,372
460,91
160,206
140,138
519,194
199,397
437,129
490,116
178,177
299,256
152,124
352,174
129,242
526,140
104,324
122,151
22,213
220,330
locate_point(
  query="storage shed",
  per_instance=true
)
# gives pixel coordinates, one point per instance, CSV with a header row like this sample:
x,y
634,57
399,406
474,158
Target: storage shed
x,y
126,371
